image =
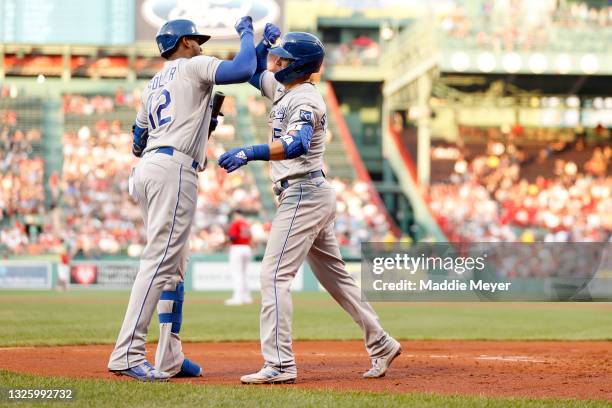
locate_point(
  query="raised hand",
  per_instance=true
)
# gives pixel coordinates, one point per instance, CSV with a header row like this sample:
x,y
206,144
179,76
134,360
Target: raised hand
x,y
244,26
271,34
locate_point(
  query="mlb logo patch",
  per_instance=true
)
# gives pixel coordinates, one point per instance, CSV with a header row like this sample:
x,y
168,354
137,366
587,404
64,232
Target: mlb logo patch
x,y
306,116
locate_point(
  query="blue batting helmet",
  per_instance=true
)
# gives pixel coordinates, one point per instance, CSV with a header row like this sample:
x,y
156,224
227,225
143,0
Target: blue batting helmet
x,y
306,51
171,33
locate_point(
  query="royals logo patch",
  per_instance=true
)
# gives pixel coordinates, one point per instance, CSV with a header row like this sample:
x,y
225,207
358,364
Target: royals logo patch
x,y
306,116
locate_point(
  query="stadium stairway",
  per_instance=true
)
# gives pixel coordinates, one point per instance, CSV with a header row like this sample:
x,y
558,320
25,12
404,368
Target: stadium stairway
x,y
338,162
350,157
403,166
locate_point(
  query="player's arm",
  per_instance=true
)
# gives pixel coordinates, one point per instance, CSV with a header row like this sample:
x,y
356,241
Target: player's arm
x,y
204,68
294,144
140,132
270,35
242,67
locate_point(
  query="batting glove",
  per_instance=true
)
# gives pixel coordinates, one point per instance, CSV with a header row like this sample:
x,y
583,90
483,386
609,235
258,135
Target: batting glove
x,y
139,140
233,159
244,26
271,34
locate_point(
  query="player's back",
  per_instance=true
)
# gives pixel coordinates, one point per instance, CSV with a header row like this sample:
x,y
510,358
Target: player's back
x,y
175,105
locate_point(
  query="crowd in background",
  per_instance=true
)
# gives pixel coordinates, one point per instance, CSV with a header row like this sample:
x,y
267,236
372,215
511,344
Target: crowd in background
x,y
84,105
101,217
358,219
487,199
362,50
22,195
522,25
88,207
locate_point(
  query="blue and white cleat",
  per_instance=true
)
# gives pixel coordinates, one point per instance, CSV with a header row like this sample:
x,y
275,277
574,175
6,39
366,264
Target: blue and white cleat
x,y
189,369
269,375
144,372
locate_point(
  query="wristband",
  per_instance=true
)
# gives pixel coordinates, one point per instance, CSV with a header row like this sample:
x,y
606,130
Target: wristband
x,y
258,152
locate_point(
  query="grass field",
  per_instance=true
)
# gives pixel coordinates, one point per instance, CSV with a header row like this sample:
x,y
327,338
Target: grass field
x,y
87,317
103,393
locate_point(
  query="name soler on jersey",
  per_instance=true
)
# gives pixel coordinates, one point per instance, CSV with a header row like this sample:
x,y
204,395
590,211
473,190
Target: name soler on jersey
x,y
454,285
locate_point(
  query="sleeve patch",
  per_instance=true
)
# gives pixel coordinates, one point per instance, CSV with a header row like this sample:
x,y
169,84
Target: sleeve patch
x,y
306,116
288,139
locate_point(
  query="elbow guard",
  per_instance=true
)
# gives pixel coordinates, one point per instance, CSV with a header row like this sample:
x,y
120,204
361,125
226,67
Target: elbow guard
x,y
140,140
299,143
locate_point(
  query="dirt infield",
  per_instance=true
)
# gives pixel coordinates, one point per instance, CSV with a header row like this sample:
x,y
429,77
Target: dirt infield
x,y
527,369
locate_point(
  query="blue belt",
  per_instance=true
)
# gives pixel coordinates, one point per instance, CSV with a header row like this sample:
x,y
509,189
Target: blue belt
x,y
170,152
284,183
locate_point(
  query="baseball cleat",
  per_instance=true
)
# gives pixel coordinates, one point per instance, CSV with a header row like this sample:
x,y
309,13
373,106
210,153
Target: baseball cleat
x,y
233,302
189,369
269,375
380,365
144,372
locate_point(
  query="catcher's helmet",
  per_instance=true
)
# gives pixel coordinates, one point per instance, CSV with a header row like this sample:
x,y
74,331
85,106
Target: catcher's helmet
x,y
306,51
172,31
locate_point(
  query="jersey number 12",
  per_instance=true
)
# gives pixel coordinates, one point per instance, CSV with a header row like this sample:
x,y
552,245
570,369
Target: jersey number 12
x,y
157,109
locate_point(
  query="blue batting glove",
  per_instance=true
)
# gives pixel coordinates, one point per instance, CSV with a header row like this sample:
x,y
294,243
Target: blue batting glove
x,y
244,26
139,140
233,159
271,34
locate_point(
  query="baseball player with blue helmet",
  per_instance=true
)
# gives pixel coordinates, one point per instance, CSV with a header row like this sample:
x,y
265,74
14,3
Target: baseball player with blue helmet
x,y
302,228
170,136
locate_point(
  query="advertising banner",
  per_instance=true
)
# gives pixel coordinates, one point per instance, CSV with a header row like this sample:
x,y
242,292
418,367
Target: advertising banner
x,y
104,274
218,276
25,275
213,17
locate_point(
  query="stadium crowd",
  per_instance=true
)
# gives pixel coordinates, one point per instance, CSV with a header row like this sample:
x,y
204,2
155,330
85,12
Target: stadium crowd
x,y
84,105
22,195
89,209
487,199
358,219
361,51
522,25
100,216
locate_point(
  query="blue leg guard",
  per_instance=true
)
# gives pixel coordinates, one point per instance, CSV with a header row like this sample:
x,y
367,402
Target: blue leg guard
x,y
176,317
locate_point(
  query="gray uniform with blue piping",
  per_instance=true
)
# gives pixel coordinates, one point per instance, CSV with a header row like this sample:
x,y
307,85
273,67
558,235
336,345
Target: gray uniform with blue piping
x,y
176,111
303,230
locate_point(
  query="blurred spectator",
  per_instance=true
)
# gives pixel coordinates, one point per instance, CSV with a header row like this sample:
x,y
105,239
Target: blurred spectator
x,y
21,183
90,213
362,50
522,25
488,200
357,217
84,105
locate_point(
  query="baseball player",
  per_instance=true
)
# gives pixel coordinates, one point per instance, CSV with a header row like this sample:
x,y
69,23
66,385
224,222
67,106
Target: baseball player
x,y
302,228
63,271
170,134
239,233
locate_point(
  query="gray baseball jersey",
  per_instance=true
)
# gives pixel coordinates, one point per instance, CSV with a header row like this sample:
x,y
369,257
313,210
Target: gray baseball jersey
x,y
303,230
290,110
175,109
176,105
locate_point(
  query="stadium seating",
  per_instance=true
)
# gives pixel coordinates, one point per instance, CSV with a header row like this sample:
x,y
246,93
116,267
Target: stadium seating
x,y
22,195
502,194
87,208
